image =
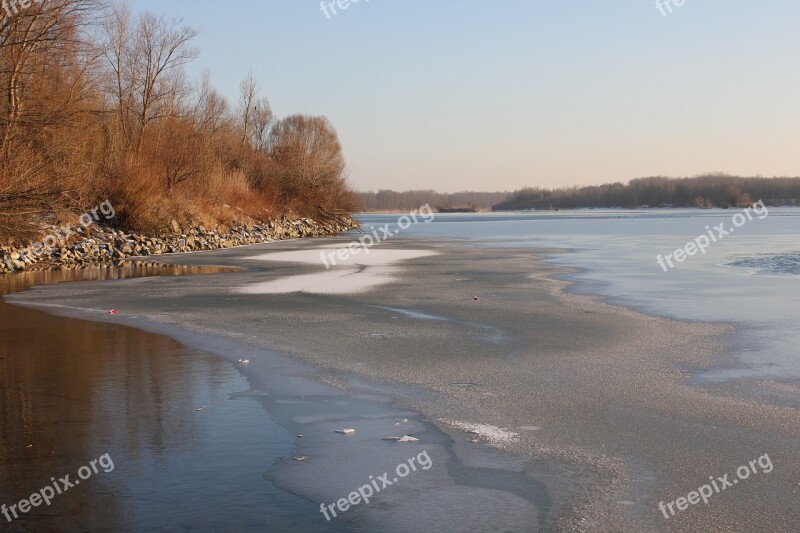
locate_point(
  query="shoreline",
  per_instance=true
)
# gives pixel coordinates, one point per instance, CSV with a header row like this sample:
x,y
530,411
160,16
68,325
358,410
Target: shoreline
x,y
295,386
544,443
100,245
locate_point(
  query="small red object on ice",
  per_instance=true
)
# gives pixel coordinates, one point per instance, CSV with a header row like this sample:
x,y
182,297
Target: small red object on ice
x,y
112,312
475,298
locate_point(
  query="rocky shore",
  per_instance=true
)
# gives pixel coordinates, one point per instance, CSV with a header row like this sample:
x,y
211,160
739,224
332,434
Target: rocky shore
x,y
100,245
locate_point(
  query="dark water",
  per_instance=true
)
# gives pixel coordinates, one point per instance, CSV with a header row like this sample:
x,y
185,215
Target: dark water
x,y
770,264
72,391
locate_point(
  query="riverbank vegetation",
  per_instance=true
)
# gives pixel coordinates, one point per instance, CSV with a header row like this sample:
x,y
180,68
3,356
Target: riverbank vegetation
x,y
96,105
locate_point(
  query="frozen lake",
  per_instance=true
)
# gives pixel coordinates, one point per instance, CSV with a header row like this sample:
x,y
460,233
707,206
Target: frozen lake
x,y
749,277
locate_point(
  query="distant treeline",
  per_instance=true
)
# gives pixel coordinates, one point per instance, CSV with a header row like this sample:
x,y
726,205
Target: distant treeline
x,y
717,190
387,200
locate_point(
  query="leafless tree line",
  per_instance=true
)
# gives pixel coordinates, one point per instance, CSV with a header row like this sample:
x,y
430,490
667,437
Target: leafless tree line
x,y
388,200
711,190
96,103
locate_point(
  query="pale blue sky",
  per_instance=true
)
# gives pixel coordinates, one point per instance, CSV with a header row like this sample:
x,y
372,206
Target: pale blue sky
x,y
503,94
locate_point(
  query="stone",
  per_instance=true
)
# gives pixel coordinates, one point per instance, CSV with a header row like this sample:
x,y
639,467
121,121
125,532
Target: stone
x,y
110,247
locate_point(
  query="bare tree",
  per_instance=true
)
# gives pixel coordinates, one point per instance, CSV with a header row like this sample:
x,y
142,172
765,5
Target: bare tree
x,y
261,122
309,154
117,53
46,61
147,67
210,108
32,40
161,50
254,116
248,94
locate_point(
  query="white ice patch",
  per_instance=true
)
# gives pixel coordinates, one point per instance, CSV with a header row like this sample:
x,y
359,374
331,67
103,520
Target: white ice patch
x,y
493,434
359,273
369,256
300,283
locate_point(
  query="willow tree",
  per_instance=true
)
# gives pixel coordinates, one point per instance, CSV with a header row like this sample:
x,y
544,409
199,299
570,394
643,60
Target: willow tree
x,y
311,169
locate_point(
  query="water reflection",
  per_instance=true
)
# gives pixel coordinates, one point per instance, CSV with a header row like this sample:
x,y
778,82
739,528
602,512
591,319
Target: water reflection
x,y
72,390
23,280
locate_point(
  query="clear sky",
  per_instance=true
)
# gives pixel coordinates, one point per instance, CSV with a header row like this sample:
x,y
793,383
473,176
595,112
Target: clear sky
x,y
501,94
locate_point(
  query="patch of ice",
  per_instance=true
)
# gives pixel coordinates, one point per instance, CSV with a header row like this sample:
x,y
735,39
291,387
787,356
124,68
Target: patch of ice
x,y
488,432
299,283
365,272
335,281
369,256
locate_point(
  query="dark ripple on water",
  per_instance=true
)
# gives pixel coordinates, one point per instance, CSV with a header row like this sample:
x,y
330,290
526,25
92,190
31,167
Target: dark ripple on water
x,y
770,265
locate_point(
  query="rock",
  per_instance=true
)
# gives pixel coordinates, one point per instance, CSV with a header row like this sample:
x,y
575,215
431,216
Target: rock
x,y
110,247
